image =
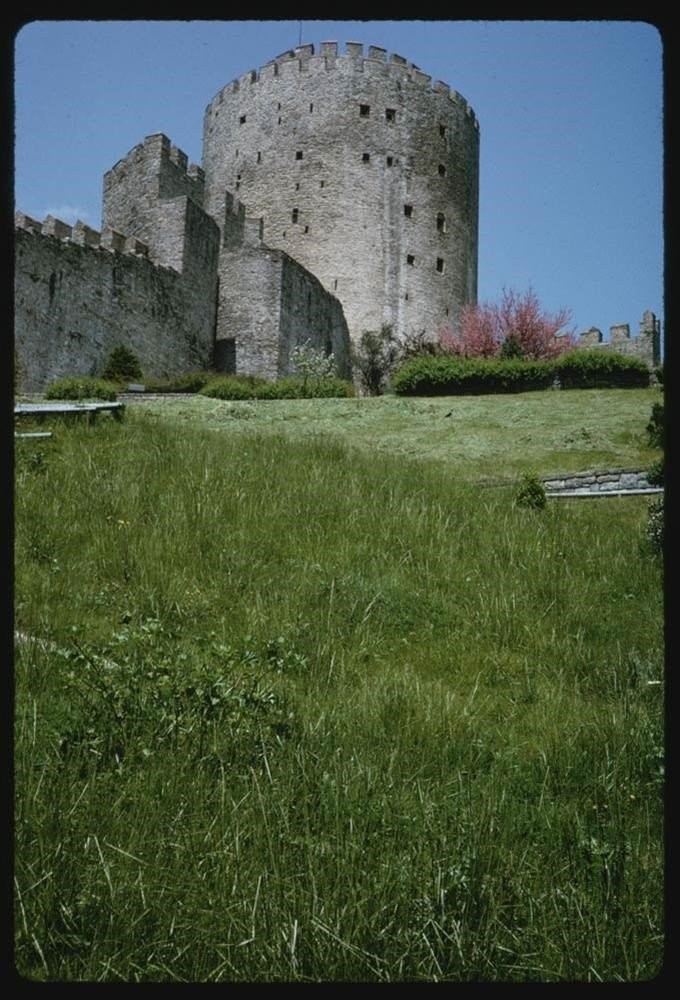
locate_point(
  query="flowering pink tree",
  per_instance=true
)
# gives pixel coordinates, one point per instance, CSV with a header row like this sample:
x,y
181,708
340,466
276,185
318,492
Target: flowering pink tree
x,y
518,326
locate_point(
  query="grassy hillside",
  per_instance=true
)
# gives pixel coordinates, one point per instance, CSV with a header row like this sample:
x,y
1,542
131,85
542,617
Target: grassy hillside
x,y
482,436
291,707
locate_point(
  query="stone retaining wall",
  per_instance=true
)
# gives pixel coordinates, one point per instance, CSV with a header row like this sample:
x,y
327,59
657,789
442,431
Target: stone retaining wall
x,y
606,481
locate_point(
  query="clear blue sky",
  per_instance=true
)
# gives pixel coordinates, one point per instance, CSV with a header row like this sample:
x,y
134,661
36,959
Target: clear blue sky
x,y
570,113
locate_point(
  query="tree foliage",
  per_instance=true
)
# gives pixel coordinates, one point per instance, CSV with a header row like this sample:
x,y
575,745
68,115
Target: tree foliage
x,y
375,357
517,327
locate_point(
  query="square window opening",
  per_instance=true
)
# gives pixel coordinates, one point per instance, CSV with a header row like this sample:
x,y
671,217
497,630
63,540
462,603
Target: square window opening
x,y
410,259
408,211
442,170
390,114
242,119
364,110
298,155
366,158
440,265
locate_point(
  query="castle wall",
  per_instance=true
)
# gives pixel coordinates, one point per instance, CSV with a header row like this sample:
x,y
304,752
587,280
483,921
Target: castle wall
x,y
79,295
361,169
268,304
646,346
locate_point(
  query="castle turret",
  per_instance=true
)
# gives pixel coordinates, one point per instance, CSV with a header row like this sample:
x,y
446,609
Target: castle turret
x,y
361,168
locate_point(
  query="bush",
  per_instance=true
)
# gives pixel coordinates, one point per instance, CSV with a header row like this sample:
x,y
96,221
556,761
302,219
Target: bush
x,y
251,387
82,387
655,525
189,382
447,375
659,372
375,358
122,365
655,427
595,369
655,473
531,492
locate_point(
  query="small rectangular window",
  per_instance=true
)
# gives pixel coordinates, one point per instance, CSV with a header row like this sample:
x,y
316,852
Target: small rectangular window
x,y
442,130
366,157
408,211
442,170
441,223
410,259
306,229
440,265
298,155
364,110
321,183
390,114
297,185
242,119
259,157
390,161
311,107
295,215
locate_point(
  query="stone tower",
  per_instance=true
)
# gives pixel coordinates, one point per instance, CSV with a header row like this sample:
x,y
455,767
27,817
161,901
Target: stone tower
x,y
360,168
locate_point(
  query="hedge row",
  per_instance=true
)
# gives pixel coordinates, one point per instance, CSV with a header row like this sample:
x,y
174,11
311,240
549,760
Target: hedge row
x,y
251,387
451,376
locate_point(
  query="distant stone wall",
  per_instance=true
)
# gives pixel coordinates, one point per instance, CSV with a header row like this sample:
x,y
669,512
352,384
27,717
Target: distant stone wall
x,y
646,346
78,294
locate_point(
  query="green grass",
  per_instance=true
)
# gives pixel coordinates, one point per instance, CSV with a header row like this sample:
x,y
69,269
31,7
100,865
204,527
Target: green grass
x,y
308,711
483,437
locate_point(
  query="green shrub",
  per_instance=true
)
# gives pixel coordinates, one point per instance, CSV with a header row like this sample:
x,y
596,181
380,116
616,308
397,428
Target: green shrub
x,y
595,369
449,376
655,427
531,492
655,525
659,373
233,387
375,357
655,473
291,387
122,365
82,387
189,382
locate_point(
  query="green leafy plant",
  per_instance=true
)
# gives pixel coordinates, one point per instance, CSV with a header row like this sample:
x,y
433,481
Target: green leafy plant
x,y
531,492
656,525
375,357
655,426
188,382
450,375
122,365
599,369
311,364
82,387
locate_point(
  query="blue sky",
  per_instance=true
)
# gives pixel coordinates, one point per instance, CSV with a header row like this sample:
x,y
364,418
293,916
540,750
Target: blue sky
x,y
570,113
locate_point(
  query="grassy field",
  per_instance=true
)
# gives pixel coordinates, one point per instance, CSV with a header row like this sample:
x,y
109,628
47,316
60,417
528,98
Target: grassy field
x,y
483,437
293,707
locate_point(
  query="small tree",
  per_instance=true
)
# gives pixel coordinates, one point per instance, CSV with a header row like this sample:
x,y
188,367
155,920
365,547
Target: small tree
x,y
122,365
312,364
517,327
375,358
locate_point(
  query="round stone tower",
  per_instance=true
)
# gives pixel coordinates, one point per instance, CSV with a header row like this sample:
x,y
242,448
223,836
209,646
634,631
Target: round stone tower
x,y
361,168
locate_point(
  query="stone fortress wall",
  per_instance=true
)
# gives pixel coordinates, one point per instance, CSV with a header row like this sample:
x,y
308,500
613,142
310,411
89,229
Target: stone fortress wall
x,y
338,192
646,346
79,293
363,170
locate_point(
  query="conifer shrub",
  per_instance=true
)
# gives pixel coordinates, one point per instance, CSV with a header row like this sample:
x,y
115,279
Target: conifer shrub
x,y
82,387
122,365
596,369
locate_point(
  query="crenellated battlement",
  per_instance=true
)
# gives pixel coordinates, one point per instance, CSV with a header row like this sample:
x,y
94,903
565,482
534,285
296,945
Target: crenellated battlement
x,y
376,61
157,157
82,235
